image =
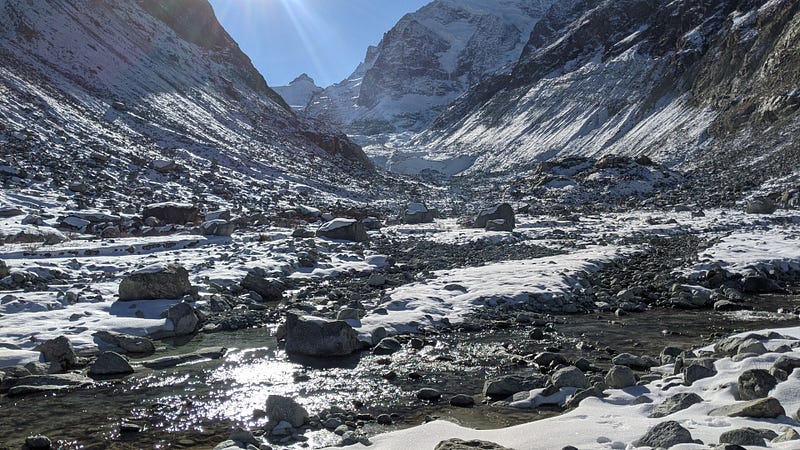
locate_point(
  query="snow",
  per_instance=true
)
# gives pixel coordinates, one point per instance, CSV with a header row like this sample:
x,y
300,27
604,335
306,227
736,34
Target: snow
x,y
336,224
775,250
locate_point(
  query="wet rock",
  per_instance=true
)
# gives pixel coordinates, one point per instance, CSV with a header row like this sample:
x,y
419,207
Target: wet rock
x,y
511,384
184,319
766,408
279,408
546,359
676,403
129,343
696,372
665,435
344,229
417,213
38,442
243,437
110,363
755,383
58,350
502,212
387,346
314,336
620,377
384,419
429,394
47,383
173,213
569,376
258,281
460,444
171,361
743,436
462,401
155,282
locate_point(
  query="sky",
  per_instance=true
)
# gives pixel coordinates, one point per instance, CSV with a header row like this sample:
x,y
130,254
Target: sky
x,y
326,39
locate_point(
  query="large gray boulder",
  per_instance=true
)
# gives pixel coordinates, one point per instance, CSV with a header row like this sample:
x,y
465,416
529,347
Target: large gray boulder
x,y
110,363
761,205
569,376
763,408
184,319
344,229
315,336
129,343
511,384
4,270
620,377
171,212
58,350
155,282
755,383
47,383
502,211
258,281
665,435
217,227
285,409
677,402
743,436
417,213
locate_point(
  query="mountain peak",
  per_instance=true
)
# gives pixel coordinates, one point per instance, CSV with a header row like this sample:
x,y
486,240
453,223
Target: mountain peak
x,y
303,78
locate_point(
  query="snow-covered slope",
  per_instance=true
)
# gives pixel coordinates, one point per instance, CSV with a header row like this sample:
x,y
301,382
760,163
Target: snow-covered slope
x,y
706,84
427,60
298,93
101,91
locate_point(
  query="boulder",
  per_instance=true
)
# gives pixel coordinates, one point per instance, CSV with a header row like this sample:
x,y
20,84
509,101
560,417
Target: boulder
x,y
129,343
429,394
172,361
620,377
4,270
633,361
417,213
184,319
344,229
665,435
755,383
47,383
218,227
474,444
258,281
569,376
758,284
38,442
371,223
696,372
504,211
761,205
511,384
314,336
677,402
763,408
285,409
171,212
158,281
499,225
110,363
462,401
58,350
387,346
743,436
786,364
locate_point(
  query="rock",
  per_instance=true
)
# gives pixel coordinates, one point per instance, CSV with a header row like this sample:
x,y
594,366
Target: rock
x,y
279,408
503,211
37,442
384,419
460,444
620,377
635,362
258,281
499,225
129,343
58,350
417,213
302,233
376,279
569,376
766,408
217,227
4,270
755,383
371,223
696,372
546,359
575,400
760,285
511,384
665,435
156,282
344,229
349,314
761,205
244,437
428,394
184,319
47,383
462,401
110,363
172,361
743,436
677,402
729,447
170,212
789,435
387,346
786,364
314,336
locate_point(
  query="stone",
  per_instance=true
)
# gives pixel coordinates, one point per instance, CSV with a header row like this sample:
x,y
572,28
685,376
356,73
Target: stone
x,y
677,402
47,383
635,362
110,363
184,319
384,419
511,384
761,205
786,363
462,401
155,282
280,408
58,350
417,213
218,227
129,343
243,436
37,442
499,225
429,394
665,435
696,372
755,383
503,211
742,436
344,229
763,408
620,377
474,444
758,284
376,279
789,435
4,270
171,212
387,346
172,361
569,376
314,336
258,281
349,314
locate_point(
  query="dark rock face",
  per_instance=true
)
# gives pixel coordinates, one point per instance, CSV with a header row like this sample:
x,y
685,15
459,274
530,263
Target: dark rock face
x,y
156,282
270,290
344,229
58,350
675,403
474,444
502,212
175,213
755,383
313,336
665,435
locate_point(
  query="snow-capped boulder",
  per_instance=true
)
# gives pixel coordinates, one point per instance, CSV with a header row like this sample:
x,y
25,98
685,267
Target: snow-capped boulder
x,y
344,229
158,281
218,227
172,212
417,213
315,336
503,211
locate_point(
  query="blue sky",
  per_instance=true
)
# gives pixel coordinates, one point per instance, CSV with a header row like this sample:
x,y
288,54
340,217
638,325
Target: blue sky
x,y
323,38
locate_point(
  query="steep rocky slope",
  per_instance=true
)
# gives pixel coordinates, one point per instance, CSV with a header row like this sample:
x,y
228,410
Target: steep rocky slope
x,y
710,85
427,60
130,98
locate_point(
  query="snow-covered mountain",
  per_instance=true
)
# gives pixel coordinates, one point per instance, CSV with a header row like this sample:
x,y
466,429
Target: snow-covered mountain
x,y
105,91
425,61
298,93
708,84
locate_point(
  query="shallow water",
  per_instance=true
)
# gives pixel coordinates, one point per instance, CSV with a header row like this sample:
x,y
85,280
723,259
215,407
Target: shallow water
x,y
195,405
